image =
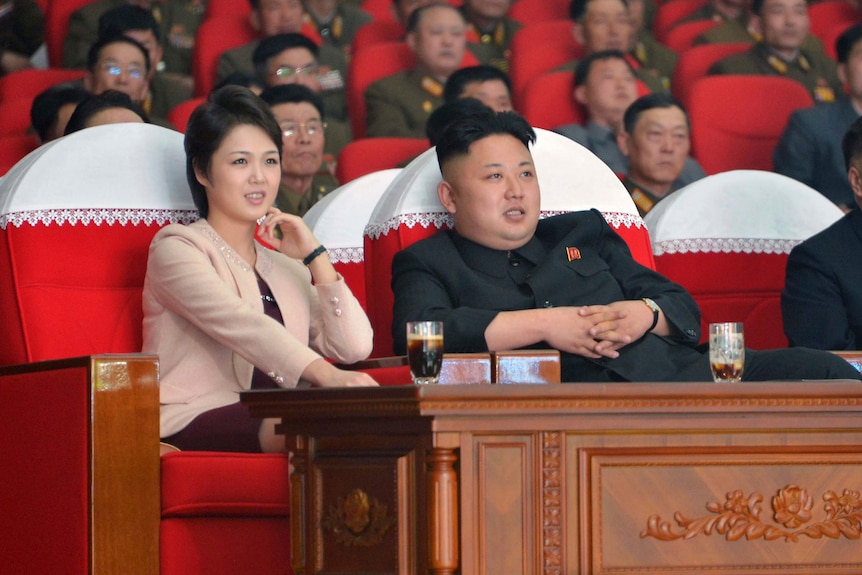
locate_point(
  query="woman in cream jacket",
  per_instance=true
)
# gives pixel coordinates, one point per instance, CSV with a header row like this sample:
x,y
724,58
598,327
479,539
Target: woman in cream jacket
x,y
226,314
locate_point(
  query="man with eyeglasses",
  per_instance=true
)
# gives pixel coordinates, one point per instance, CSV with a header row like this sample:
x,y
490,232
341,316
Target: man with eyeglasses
x,y
306,175
118,63
292,59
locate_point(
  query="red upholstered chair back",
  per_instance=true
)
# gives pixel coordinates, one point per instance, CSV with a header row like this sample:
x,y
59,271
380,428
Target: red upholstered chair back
x,y
726,238
377,32
733,126
215,36
57,25
76,219
180,114
570,176
13,149
15,116
669,13
378,61
693,64
681,36
367,155
31,82
532,11
539,48
824,15
338,222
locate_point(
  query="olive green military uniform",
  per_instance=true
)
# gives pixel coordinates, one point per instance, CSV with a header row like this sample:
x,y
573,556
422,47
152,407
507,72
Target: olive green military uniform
x,y
178,21
292,203
338,135
818,75
643,198
707,12
22,26
340,30
399,105
648,76
654,59
492,47
165,93
736,31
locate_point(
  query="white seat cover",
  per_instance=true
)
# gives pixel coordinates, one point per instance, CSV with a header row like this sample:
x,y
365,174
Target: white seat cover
x,y
747,211
118,173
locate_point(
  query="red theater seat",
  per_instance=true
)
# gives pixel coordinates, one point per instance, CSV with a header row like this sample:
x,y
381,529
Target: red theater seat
x,y
539,48
367,155
571,178
726,239
693,64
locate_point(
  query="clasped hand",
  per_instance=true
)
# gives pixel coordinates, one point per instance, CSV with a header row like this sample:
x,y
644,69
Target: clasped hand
x,y
597,331
296,240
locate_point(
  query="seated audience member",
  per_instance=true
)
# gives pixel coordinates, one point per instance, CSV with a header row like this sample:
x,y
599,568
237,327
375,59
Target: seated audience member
x,y
166,90
719,11
268,18
451,111
503,279
336,21
178,22
821,304
399,104
783,26
22,32
605,86
655,139
306,174
605,25
118,63
292,59
223,313
108,107
52,109
250,81
490,30
810,147
488,84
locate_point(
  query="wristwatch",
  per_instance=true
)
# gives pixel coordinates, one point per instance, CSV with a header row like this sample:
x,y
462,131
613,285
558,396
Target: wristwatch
x,y
655,309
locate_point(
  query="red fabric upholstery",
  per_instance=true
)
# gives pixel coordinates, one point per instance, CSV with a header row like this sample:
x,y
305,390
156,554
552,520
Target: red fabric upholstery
x,y
377,32
681,37
532,11
31,82
733,126
214,37
726,238
56,26
367,155
548,103
45,518
825,15
830,35
179,116
217,8
669,13
539,48
693,64
15,116
379,61
570,177
13,149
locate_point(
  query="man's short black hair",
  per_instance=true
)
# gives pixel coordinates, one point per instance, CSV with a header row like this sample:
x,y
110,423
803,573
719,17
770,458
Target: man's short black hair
x,y
416,16
293,94
845,42
757,6
126,18
577,9
461,133
95,103
649,102
460,79
440,118
851,145
46,106
275,45
582,71
98,45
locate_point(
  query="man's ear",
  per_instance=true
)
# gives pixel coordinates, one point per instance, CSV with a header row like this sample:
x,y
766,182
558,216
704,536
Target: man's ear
x,y
578,33
855,178
88,81
756,24
410,38
623,142
446,193
842,73
580,95
254,20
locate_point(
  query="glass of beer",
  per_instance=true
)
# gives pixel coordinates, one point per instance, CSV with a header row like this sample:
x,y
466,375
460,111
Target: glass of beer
x,y
425,350
726,351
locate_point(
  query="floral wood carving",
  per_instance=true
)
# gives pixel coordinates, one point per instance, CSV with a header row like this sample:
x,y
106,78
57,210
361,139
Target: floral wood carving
x,y
738,517
358,520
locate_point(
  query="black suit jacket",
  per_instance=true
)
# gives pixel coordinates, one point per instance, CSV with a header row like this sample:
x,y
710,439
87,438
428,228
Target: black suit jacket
x,y
464,284
822,299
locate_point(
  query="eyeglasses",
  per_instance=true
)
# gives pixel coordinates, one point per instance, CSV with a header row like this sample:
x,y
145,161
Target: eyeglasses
x,y
290,72
312,128
116,70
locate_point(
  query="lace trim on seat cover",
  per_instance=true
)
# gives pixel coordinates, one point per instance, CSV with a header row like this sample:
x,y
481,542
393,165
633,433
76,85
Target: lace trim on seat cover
x,y
725,245
98,216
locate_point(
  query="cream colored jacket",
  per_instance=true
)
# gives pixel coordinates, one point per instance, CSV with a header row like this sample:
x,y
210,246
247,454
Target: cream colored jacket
x,y
203,316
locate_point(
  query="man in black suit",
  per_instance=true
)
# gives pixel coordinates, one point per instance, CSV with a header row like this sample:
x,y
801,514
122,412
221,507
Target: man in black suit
x,y
822,299
504,280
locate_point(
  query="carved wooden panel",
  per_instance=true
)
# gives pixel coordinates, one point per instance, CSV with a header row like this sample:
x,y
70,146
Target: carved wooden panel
x,y
739,510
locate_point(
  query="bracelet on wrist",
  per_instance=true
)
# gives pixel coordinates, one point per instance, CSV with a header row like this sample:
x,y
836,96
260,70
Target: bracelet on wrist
x,y
311,257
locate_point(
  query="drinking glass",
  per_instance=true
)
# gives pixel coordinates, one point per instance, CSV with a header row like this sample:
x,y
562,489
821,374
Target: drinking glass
x,y
726,351
425,350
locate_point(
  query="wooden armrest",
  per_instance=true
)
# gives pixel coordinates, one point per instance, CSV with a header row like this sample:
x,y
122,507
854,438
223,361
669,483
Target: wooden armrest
x,y
854,358
527,366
